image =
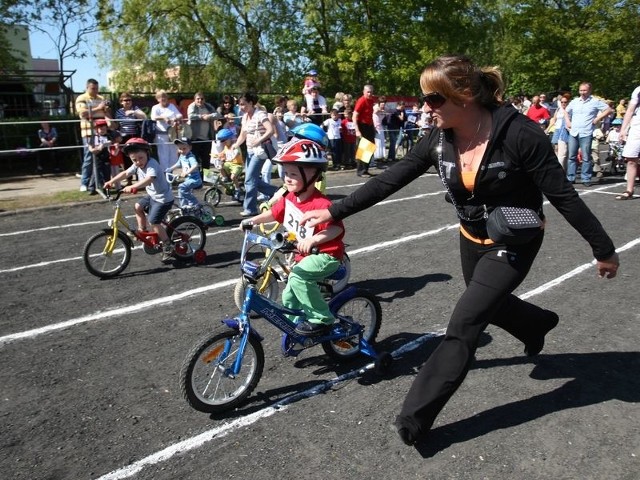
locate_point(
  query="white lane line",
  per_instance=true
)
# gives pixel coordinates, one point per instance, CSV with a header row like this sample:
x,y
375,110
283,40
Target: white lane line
x,y
229,230
53,227
209,234
226,428
574,272
114,313
71,259
180,296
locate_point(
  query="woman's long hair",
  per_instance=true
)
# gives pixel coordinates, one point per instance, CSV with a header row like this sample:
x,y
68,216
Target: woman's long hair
x,y
456,76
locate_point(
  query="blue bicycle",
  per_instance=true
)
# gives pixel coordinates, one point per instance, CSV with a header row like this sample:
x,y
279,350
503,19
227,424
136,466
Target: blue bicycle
x,y
222,369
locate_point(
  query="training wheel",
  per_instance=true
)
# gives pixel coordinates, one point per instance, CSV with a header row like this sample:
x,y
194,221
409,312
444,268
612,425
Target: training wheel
x,y
199,256
383,362
219,220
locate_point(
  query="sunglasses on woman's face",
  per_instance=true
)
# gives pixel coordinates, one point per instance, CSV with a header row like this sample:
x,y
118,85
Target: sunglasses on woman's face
x,y
433,100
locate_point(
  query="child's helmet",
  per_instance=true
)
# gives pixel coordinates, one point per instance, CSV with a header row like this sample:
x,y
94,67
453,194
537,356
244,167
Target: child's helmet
x,y
313,73
135,144
303,153
616,121
225,134
311,131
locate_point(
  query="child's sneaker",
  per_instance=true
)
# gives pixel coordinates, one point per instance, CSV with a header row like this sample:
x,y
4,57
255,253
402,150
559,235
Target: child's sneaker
x,y
167,253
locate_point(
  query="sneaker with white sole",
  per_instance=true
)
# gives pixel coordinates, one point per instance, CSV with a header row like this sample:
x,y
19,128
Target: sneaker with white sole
x,y
167,253
83,188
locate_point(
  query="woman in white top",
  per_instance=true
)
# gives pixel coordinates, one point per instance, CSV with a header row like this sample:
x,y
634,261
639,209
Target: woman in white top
x,y
560,137
165,114
378,115
256,131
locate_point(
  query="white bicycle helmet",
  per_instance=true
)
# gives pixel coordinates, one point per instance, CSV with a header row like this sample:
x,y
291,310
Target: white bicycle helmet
x,y
303,153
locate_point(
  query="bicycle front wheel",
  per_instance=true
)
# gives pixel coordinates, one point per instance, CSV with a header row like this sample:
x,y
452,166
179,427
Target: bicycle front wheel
x,y
187,236
267,286
212,196
106,255
206,378
363,308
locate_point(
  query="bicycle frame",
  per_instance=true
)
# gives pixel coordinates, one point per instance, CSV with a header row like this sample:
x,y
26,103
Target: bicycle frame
x,y
117,220
277,314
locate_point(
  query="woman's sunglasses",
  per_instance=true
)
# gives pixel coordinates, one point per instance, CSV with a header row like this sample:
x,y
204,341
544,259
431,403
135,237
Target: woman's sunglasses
x,y
434,99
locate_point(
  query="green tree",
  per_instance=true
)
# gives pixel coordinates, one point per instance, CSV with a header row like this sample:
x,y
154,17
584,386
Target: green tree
x,y
232,45
222,45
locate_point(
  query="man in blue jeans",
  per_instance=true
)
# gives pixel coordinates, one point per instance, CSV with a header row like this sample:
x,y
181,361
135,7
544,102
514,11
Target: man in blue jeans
x,y
585,112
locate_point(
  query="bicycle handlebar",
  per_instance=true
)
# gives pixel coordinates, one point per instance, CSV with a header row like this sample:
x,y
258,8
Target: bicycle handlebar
x,y
276,241
117,193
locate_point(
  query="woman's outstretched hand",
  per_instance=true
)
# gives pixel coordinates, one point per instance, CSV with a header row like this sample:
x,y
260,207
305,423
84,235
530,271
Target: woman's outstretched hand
x,y
314,217
608,268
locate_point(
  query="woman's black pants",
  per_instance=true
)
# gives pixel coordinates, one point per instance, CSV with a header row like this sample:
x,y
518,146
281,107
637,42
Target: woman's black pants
x,y
492,273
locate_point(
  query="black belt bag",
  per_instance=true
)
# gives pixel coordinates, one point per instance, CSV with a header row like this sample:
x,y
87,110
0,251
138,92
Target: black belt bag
x,y
513,225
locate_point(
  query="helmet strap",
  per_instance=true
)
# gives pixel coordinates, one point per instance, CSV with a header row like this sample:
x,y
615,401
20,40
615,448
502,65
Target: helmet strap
x,y
314,178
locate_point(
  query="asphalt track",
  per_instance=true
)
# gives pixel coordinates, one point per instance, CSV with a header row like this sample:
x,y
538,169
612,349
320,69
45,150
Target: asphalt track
x,y
89,376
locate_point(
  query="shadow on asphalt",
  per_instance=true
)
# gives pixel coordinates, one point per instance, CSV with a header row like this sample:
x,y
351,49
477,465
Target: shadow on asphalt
x,y
594,378
400,287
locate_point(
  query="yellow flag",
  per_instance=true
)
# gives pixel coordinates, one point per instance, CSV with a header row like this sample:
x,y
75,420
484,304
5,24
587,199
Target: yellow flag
x,y
365,150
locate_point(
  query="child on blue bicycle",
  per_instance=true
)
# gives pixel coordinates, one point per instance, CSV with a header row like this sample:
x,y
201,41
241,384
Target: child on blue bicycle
x,y
188,162
303,162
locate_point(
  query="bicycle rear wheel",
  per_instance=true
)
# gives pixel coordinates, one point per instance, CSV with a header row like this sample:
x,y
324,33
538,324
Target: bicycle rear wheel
x,y
105,255
206,379
338,285
187,236
363,308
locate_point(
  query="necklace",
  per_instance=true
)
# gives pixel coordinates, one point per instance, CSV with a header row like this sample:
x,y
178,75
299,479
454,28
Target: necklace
x,y
475,135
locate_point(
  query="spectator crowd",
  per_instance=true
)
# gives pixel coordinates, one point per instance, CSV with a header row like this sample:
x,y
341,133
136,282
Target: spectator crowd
x,y
577,127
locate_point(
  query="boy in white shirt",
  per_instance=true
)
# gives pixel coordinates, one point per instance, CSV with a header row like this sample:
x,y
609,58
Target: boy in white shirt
x,y
332,126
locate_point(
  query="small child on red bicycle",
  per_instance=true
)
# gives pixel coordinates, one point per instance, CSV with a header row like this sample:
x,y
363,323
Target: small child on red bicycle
x,y
159,199
303,162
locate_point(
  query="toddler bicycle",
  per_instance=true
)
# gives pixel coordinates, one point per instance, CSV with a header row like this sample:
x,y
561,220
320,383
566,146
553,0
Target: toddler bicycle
x,y
222,369
107,253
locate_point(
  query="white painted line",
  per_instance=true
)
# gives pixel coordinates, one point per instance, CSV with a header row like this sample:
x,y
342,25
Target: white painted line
x,y
209,234
180,296
574,272
190,443
53,227
225,429
114,313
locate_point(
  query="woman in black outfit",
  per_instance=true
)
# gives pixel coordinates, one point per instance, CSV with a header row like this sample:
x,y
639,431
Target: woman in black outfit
x,y
488,156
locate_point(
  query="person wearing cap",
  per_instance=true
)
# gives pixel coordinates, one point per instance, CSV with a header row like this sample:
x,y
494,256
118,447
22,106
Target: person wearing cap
x,y
99,146
303,162
159,198
188,162
310,81
316,106
231,161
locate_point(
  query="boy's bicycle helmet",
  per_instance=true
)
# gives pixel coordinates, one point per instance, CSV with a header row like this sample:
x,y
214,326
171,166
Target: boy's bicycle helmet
x,y
225,134
135,144
616,121
303,153
312,132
